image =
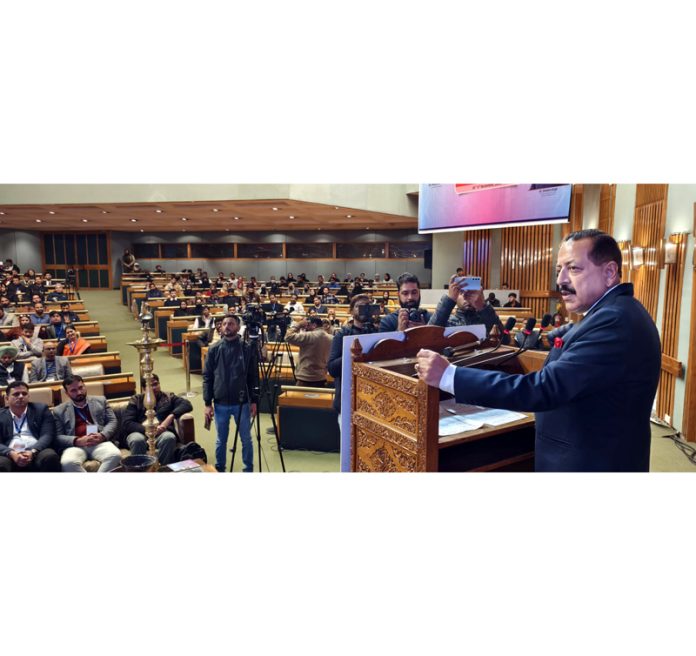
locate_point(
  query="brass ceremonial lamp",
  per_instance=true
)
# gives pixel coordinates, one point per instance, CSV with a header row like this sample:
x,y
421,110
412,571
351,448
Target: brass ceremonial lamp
x,y
146,347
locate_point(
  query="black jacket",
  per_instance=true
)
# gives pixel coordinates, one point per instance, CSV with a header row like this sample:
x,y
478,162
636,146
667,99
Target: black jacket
x,y
336,356
223,375
166,404
40,421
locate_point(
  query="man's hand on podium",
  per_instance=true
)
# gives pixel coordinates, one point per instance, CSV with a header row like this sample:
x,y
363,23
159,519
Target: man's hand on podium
x,y
430,366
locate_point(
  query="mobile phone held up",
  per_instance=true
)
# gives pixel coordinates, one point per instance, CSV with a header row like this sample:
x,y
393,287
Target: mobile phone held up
x,y
468,283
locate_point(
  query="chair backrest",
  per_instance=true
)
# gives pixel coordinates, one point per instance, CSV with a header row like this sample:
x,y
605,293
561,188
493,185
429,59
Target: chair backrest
x,y
93,389
87,370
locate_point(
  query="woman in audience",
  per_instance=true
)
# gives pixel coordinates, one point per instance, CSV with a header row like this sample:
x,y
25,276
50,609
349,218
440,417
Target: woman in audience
x,y
388,301
73,343
331,318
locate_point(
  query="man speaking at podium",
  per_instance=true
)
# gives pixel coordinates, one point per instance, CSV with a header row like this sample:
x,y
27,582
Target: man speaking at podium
x,y
594,395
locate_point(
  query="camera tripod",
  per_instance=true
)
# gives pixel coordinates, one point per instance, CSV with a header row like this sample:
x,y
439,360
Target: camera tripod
x,y
255,339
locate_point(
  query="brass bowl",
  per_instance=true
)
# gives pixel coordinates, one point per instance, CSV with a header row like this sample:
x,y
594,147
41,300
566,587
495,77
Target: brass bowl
x,y
138,463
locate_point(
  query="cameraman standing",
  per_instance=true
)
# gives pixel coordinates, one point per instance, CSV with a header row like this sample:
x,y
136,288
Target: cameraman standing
x,y
410,314
315,345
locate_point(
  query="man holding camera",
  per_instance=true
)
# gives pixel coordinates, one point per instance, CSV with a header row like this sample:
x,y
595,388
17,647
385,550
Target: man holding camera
x,y
315,345
410,314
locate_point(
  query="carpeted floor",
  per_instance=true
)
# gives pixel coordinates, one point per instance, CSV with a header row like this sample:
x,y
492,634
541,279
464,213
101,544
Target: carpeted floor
x,y
119,327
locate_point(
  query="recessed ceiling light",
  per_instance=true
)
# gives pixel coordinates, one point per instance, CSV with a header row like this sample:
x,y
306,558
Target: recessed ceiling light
x,y
236,218
335,207
3,213
104,212
183,218
159,211
349,216
141,230
84,221
51,212
38,220
134,220
275,209
215,209
291,216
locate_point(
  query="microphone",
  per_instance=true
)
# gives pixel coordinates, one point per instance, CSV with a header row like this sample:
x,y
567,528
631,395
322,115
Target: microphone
x,y
528,329
509,325
546,321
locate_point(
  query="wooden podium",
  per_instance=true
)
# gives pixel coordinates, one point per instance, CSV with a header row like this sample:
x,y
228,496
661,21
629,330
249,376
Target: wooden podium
x,y
394,423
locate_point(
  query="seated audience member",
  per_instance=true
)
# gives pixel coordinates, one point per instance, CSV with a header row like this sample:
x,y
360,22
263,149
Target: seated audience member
x,y
5,302
315,346
73,344
226,297
388,279
56,327
294,306
188,290
85,427
182,310
8,319
204,282
512,301
197,308
389,302
27,433
47,281
39,315
10,369
28,346
168,408
68,315
492,300
317,305
327,297
331,317
36,298
557,320
172,300
50,366
57,295
471,309
504,286
159,269
204,321
153,291
24,321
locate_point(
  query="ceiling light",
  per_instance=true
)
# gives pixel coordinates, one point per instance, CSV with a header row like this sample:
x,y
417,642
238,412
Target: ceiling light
x,y
134,220
349,216
141,230
236,218
275,209
158,211
104,212
335,207
183,218
51,212
84,221
38,220
3,213
215,209
291,216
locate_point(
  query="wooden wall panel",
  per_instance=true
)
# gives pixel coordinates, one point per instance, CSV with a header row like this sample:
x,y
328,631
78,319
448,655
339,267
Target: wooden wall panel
x,y
576,211
674,277
477,248
526,264
607,205
648,233
689,417
626,272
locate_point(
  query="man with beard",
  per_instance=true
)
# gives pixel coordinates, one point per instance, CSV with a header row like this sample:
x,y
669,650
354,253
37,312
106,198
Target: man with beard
x,y
84,429
594,395
409,298
168,408
230,389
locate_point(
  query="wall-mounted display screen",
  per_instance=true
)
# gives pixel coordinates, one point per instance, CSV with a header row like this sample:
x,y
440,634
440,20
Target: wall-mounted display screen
x,y
450,207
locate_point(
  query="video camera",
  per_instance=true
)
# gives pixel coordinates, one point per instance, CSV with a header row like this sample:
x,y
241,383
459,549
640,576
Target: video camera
x,y
253,316
417,315
368,313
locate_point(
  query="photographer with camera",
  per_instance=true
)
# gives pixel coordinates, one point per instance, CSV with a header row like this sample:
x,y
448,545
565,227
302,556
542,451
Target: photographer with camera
x,y
410,314
361,324
315,345
276,319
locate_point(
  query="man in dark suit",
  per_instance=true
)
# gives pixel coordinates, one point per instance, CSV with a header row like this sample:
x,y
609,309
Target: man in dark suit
x,y
50,366
594,395
26,433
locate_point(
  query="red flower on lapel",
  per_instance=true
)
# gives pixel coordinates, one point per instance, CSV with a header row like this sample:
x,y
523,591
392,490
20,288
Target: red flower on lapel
x,y
558,342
